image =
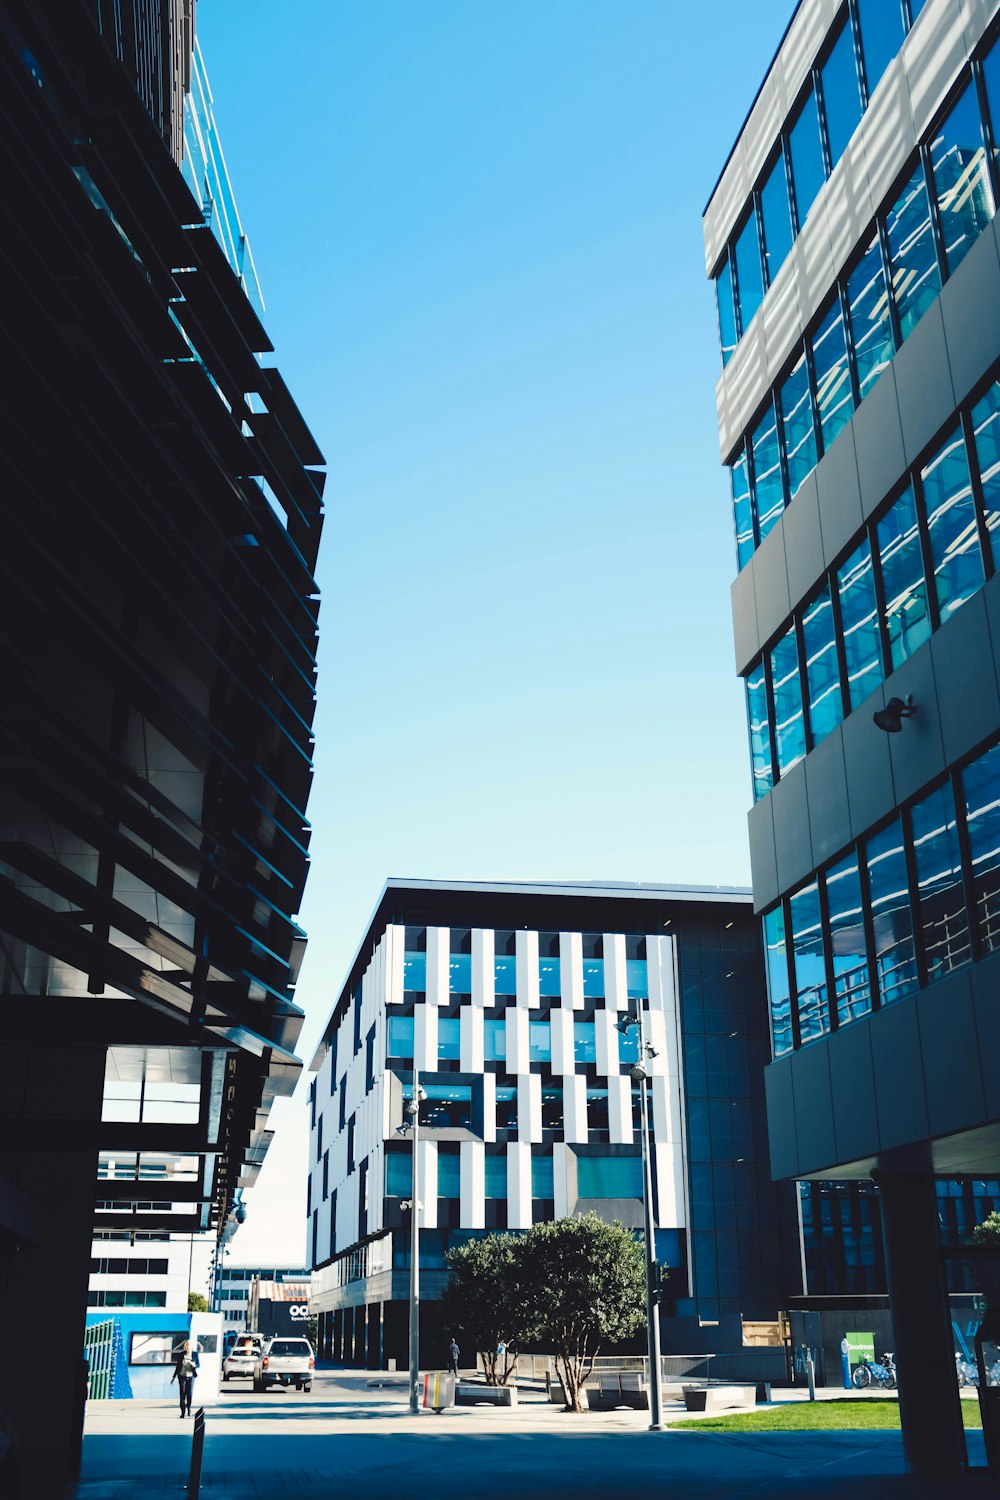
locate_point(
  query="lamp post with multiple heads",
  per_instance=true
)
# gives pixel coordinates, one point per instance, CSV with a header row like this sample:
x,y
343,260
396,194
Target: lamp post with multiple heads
x,y
412,1124
639,1074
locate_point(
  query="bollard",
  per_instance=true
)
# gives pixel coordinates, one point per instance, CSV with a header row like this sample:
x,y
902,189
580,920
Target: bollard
x,y
197,1444
811,1375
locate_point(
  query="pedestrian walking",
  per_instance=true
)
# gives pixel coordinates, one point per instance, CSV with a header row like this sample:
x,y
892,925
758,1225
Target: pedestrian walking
x,y
453,1352
185,1369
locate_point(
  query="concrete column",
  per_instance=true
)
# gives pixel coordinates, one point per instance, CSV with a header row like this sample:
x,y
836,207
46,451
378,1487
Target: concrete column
x,y
929,1403
51,1099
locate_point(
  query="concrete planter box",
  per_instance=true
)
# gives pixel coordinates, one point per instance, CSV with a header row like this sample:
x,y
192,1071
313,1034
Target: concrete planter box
x,y
485,1395
719,1397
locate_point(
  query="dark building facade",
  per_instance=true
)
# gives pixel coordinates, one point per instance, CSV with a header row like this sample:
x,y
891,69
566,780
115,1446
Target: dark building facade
x,y
161,512
505,999
853,243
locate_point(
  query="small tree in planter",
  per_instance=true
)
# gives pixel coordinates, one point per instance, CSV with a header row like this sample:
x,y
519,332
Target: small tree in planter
x,y
986,1236
585,1282
484,1299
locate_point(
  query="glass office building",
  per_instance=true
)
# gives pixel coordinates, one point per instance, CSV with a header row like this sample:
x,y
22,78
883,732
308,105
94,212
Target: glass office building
x,y
505,998
161,515
852,241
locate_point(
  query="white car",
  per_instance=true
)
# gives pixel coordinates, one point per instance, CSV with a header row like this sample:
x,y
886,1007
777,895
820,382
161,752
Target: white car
x,y
284,1361
239,1362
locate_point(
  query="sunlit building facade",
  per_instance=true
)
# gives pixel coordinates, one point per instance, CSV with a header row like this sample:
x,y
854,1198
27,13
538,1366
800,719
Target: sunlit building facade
x,y
852,241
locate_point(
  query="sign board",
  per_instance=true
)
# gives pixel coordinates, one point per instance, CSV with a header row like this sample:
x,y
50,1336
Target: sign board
x,y
860,1346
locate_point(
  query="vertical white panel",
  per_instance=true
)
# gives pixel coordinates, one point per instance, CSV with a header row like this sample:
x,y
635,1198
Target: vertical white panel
x,y
395,944
518,1056
615,973
560,1180
427,1171
669,1164
571,969
526,949
575,1108
472,1213
425,1037
518,1185
438,959
620,1110
471,1038
489,1106
483,973
529,1107
562,1040
605,1042
376,1189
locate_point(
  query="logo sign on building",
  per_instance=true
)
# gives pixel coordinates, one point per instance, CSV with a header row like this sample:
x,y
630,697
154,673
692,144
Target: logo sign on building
x,y
860,1346
299,1310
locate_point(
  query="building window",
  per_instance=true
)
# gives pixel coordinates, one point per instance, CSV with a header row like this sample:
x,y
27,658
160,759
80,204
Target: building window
x,y
548,977
859,618
552,1107
742,510
941,910
809,962
448,1105
541,1177
506,1107
951,525
916,278
609,1176
985,419
881,37
775,217
895,962
904,588
597,1109
981,790
505,975
748,274
841,94
758,718
449,1037
584,1044
789,729
494,1040
460,973
848,947
868,309
776,957
727,310
593,977
769,494
961,180
495,1172
415,973
539,1041
401,1037
806,152
798,431
834,396
449,1173
628,1045
819,640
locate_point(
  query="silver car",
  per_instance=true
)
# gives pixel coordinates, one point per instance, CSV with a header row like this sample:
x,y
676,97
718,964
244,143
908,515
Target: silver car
x,y
239,1362
284,1361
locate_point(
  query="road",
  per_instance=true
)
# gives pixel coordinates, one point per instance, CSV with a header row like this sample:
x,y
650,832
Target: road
x,y
347,1438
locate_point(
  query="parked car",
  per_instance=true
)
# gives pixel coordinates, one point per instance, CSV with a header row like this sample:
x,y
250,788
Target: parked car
x,y
240,1360
284,1361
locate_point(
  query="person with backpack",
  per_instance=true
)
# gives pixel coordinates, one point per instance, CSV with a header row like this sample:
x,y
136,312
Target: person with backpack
x,y
185,1370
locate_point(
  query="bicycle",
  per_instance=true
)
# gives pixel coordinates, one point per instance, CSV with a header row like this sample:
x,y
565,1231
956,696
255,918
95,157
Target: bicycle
x,y
875,1372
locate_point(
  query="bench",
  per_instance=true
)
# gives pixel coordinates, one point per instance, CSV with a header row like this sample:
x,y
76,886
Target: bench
x,y
719,1397
612,1390
468,1394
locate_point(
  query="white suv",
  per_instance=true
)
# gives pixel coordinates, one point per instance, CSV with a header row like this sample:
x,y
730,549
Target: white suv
x,y
239,1362
284,1361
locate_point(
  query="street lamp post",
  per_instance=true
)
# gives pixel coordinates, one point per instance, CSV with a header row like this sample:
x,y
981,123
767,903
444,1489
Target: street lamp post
x,y
413,1125
639,1075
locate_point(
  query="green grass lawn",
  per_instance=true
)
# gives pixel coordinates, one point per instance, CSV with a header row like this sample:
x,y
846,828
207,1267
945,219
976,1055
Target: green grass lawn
x,y
817,1416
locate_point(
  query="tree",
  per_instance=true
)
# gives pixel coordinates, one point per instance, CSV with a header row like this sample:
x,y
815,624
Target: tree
x,y
987,1233
484,1299
586,1281
197,1303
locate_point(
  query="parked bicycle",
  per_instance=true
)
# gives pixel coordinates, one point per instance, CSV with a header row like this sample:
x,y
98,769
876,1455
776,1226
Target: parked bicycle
x,y
966,1371
881,1372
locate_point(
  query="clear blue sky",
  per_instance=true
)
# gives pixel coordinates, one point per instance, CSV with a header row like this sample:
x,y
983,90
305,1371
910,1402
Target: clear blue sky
x,y
477,225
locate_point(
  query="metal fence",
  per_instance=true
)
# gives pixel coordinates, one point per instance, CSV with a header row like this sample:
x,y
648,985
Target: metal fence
x,y
104,1351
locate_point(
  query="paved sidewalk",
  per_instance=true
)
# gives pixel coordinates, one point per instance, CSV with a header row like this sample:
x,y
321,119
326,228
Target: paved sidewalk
x,y
350,1439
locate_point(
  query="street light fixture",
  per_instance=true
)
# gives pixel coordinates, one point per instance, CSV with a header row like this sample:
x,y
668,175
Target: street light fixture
x,y
639,1073
412,1124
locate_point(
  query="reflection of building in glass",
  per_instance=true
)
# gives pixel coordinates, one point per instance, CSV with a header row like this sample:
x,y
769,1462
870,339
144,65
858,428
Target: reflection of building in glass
x,y
161,519
852,241
506,999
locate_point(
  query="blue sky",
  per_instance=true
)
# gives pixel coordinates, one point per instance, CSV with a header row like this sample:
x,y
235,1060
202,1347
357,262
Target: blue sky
x,y
477,225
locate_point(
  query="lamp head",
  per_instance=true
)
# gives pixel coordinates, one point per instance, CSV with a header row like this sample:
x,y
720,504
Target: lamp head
x,y
890,719
638,1073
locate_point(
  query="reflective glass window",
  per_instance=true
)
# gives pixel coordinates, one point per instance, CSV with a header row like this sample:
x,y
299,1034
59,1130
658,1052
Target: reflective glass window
x,y
789,729
400,1036
628,1045
541,1177
859,619
868,306
991,78
593,976
834,397
548,976
742,510
951,525
495,1176
539,1041
797,429
809,963
941,910
609,1176
398,1175
841,94
449,1174
769,494
584,1046
760,734
916,6
895,962
848,949
727,311
552,1106
961,179
777,219
415,972
494,1040
449,1036
597,1109
777,981
807,157
981,789
506,1103
826,707
448,1104
881,36
904,587
748,282
916,279
460,973
986,427
636,978
505,975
